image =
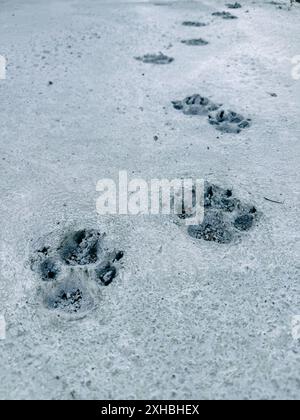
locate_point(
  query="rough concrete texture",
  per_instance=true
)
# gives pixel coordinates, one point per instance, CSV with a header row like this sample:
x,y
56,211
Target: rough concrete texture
x,y
180,317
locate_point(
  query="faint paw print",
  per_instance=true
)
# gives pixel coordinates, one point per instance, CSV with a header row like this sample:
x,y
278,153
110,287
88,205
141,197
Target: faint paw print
x,y
296,327
2,67
2,327
296,67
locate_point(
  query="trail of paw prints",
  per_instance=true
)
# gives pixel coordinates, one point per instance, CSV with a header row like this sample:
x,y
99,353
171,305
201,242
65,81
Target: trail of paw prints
x,y
72,271
224,121
226,218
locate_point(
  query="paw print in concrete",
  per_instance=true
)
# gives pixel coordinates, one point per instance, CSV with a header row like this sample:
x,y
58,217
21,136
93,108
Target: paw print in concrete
x,y
72,271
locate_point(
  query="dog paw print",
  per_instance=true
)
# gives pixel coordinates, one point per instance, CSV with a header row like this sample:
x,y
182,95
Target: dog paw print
x,y
196,105
225,15
80,248
225,216
195,42
72,270
224,121
235,5
228,121
155,59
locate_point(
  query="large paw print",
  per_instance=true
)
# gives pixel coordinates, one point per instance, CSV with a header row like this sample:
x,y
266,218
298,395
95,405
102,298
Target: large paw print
x,y
72,271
